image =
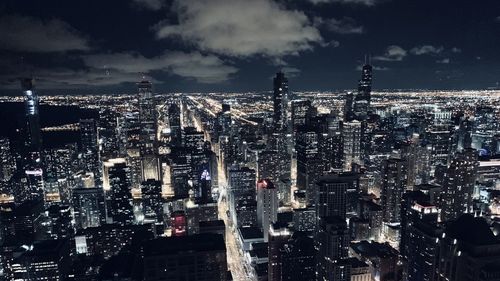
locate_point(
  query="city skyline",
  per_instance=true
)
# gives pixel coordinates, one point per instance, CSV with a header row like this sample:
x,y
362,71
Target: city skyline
x,y
137,152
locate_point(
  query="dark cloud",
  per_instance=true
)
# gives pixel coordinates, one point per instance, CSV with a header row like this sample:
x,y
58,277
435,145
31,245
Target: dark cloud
x,y
154,5
345,25
202,68
357,2
28,34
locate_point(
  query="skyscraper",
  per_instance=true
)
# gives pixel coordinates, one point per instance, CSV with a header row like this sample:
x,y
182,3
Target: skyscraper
x,y
333,244
174,121
90,147
351,132
121,208
393,187
458,185
280,101
363,98
331,198
267,205
31,107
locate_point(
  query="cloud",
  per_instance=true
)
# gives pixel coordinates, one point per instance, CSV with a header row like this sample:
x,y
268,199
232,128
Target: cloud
x,y
27,34
241,28
342,26
291,72
154,5
426,49
358,2
456,50
194,65
392,53
443,61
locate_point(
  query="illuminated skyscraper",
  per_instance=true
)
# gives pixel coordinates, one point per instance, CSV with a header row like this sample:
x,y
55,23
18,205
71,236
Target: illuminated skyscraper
x,y
90,147
31,107
267,205
351,132
121,197
393,186
363,98
280,101
458,185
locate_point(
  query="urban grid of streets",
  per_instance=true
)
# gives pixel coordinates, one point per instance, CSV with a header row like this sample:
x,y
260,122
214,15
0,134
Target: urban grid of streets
x,y
237,264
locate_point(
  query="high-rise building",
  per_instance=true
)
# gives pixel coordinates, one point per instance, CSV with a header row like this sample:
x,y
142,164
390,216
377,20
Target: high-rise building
x,y
332,194
467,250
280,101
458,185
242,194
267,205
120,205
89,209
393,186
298,258
31,108
302,110
152,202
47,260
310,166
174,121
7,167
90,147
333,244
278,236
351,132
363,98
194,257
420,247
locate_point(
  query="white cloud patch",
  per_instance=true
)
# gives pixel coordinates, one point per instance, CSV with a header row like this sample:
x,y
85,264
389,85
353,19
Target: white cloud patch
x,y
444,61
357,2
341,26
242,28
154,5
456,50
28,34
202,68
427,49
392,53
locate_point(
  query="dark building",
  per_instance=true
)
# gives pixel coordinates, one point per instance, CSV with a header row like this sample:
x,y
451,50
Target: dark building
x,y
467,250
393,187
47,260
332,239
419,246
298,258
121,197
196,257
383,258
174,120
90,147
152,201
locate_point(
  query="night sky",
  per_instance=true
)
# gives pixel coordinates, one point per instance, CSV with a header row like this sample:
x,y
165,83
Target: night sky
x,y
105,46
